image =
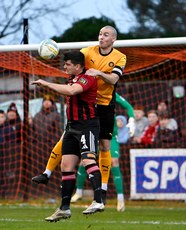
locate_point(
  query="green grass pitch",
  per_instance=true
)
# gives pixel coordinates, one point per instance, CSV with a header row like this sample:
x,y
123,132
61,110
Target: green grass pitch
x,y
138,215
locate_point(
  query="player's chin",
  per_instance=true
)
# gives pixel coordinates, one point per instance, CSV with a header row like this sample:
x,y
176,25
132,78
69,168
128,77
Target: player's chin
x,y
101,44
68,72
104,46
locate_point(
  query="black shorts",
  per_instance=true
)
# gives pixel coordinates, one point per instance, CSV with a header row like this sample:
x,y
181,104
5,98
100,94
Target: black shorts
x,y
81,136
106,119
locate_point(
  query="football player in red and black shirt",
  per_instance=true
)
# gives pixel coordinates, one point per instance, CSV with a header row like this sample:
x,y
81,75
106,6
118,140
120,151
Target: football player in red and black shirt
x,y
81,135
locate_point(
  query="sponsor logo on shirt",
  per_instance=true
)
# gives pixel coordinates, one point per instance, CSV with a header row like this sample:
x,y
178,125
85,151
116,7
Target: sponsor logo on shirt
x,y
83,81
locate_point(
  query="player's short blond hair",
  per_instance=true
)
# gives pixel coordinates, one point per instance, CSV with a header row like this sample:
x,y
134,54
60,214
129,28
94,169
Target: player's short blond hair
x,y
114,32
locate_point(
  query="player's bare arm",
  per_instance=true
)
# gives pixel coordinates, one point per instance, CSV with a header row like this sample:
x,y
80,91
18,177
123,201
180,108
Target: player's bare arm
x,y
111,78
68,90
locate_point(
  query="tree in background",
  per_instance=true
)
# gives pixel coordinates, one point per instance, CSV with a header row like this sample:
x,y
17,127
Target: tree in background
x,y
159,18
13,12
87,30
154,18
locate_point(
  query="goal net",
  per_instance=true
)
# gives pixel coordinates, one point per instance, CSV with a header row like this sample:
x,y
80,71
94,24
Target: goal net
x,y
154,72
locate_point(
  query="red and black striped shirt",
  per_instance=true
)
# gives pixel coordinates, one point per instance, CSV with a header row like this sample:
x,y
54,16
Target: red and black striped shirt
x,y
82,106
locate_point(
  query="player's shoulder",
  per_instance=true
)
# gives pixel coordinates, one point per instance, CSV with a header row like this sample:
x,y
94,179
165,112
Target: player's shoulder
x,y
86,78
118,52
96,47
90,50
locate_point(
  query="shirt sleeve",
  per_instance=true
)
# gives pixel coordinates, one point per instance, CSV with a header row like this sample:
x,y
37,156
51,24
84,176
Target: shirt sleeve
x,y
125,104
86,81
120,65
84,51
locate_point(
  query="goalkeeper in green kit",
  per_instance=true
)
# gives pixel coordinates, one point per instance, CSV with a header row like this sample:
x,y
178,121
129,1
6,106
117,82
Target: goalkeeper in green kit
x,y
115,153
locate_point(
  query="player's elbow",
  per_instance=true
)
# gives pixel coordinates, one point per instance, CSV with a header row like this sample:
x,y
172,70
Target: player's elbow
x,y
71,91
113,79
76,89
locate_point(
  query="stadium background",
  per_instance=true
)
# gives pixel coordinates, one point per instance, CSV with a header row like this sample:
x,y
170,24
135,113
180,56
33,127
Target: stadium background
x,y
150,75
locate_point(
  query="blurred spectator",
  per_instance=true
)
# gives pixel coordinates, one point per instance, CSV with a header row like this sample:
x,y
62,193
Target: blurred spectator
x,y
167,121
183,134
31,129
150,131
141,122
47,123
162,109
123,132
162,106
4,128
14,123
4,131
30,120
167,131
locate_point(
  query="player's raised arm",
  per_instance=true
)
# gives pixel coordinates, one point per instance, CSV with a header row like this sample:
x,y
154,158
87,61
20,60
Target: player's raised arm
x,y
111,78
68,90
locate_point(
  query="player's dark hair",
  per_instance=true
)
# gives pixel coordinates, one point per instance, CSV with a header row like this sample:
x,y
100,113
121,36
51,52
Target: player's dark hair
x,y
76,57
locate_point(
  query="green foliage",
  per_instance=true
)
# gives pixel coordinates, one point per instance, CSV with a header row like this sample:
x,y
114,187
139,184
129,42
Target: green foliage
x,y
155,18
159,18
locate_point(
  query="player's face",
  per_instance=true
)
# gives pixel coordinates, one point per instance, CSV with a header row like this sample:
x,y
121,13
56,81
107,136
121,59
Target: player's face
x,y
106,38
70,68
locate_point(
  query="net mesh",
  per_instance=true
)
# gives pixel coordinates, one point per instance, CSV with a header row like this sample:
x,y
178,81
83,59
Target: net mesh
x,y
150,76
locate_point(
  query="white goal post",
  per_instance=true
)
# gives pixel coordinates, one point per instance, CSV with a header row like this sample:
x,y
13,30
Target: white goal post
x,y
118,43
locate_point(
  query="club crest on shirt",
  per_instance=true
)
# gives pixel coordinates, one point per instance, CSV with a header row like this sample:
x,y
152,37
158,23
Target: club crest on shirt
x,y
75,79
111,64
83,81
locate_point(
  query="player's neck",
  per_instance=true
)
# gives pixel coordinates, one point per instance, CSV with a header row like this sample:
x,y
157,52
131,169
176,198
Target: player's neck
x,y
80,71
105,51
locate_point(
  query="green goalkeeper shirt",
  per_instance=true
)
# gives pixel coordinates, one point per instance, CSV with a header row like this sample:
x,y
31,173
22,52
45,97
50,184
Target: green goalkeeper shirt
x,y
126,105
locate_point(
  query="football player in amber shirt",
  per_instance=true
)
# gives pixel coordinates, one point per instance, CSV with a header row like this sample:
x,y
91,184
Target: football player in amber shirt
x,y
106,64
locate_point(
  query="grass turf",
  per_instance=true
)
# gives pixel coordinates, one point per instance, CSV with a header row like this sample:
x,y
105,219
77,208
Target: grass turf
x,y
138,215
